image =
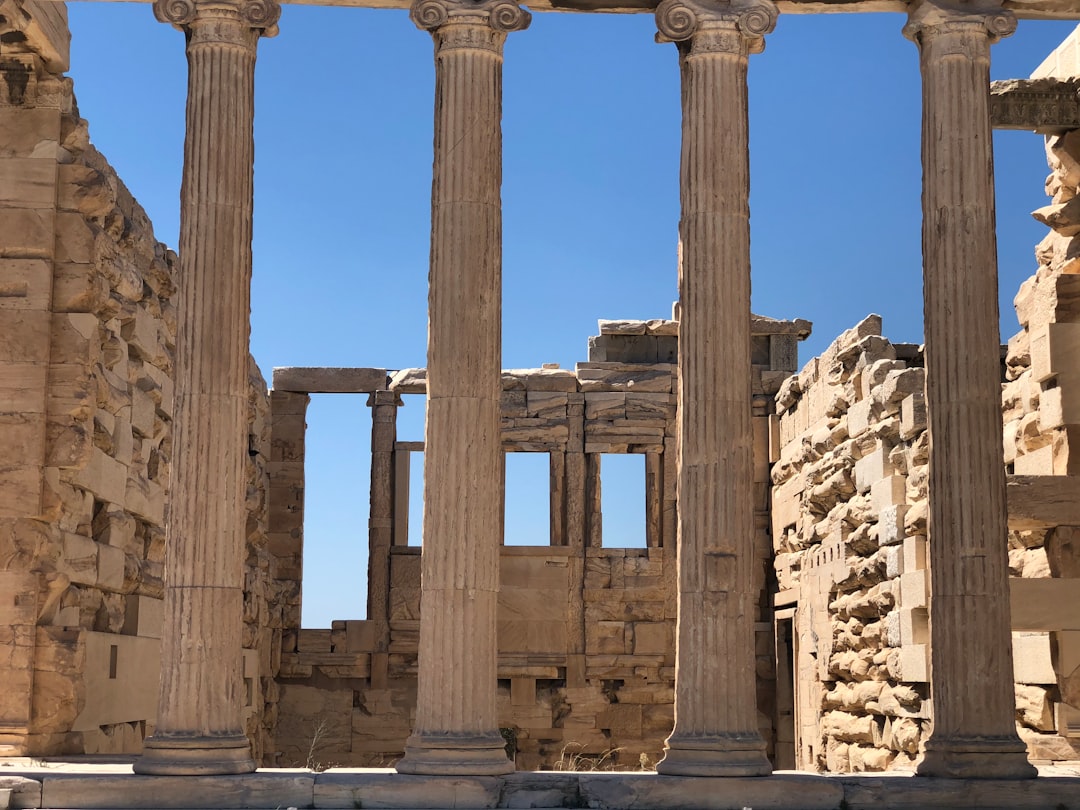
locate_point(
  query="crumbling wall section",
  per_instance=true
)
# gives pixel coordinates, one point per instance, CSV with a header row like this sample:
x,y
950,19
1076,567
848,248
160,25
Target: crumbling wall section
x,y
849,528
1041,411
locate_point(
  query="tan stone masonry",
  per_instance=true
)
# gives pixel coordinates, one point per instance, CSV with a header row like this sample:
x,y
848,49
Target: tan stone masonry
x,y
828,556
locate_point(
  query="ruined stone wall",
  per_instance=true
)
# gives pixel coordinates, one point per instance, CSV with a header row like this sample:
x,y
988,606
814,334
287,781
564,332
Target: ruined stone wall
x,y
1041,406
848,520
849,528
87,326
585,628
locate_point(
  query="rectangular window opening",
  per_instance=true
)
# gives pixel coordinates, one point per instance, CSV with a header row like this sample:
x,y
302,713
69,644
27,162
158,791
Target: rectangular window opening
x,y
415,531
114,653
622,500
337,487
409,479
527,503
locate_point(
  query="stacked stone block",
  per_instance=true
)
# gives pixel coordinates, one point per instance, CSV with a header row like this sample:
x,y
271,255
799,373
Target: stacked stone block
x,y
849,526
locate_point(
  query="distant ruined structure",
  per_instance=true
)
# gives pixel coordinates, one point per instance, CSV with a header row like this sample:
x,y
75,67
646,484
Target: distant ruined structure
x,y
831,552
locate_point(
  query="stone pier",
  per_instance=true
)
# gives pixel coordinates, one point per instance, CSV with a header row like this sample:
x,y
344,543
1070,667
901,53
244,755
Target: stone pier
x,y
384,405
974,732
715,730
200,726
456,729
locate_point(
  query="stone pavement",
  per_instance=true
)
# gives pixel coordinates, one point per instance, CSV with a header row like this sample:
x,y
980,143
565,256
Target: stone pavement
x,y
104,786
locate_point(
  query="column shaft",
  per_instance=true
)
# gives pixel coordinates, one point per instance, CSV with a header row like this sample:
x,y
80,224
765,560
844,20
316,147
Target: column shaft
x,y
456,721
971,650
200,726
715,703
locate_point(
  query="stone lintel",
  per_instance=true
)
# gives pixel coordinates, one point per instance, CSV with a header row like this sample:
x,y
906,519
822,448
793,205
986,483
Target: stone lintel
x,y
1043,501
763,325
1024,9
330,380
1046,106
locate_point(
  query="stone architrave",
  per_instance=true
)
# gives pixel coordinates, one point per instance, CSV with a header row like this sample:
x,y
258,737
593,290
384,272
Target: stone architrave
x,y
457,730
716,729
200,723
971,674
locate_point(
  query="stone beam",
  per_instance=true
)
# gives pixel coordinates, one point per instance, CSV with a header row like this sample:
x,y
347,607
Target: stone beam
x,y
1043,501
1044,604
1023,9
330,380
1046,106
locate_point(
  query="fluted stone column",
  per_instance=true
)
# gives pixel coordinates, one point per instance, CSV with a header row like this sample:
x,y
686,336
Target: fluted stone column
x,y
971,674
200,726
716,730
457,729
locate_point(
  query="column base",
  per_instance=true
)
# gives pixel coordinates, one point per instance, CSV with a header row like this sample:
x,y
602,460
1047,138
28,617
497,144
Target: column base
x,y
479,755
976,758
720,755
195,756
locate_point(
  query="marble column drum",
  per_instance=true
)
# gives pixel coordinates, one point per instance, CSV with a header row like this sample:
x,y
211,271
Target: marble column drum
x,y
457,730
716,731
200,722
971,675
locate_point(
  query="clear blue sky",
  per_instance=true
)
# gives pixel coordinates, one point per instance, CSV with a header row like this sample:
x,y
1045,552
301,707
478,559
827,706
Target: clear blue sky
x,y
591,131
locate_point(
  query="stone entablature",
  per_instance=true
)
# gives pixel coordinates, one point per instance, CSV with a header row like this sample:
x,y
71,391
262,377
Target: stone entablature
x,y
1039,105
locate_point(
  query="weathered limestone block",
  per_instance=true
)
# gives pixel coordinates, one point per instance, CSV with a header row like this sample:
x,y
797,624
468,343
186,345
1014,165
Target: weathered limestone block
x,y
1033,707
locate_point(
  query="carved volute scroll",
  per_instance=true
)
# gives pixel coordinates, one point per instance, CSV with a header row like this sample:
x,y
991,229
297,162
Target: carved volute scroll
x,y
224,20
471,24
704,26
928,17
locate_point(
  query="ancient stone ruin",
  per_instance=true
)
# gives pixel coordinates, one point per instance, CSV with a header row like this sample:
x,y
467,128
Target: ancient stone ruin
x,y
866,562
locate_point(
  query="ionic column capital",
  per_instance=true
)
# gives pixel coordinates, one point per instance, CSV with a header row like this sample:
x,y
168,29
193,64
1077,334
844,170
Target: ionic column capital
x,y
932,18
738,26
470,24
223,19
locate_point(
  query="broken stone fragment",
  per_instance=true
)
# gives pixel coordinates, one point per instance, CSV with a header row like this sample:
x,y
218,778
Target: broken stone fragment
x,y
1064,218
621,327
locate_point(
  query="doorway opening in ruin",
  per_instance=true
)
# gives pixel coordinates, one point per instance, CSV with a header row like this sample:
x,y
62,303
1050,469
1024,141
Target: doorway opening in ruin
x,y
337,473
785,725
622,500
527,499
